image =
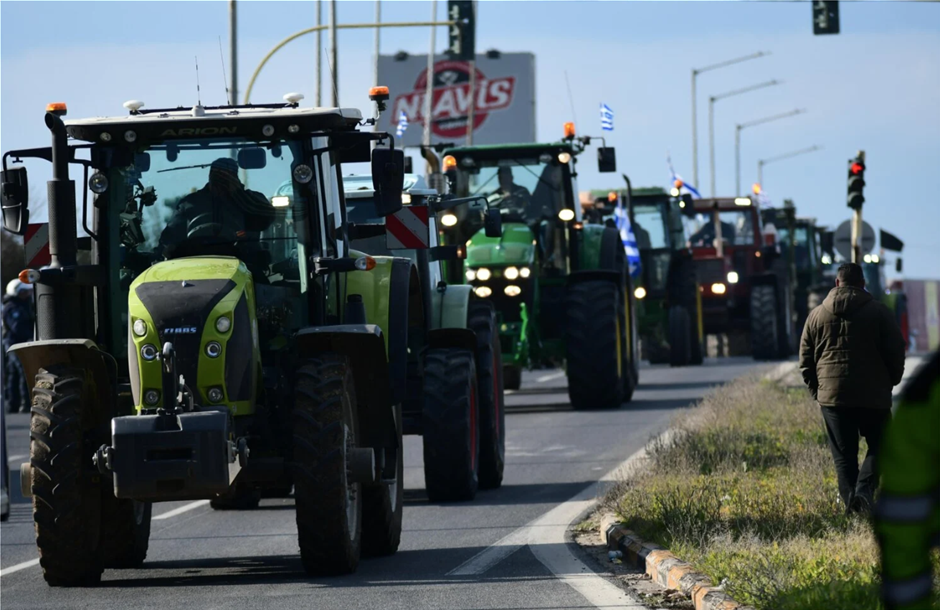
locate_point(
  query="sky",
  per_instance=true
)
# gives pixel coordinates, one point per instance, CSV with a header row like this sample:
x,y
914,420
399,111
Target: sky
x,y
873,87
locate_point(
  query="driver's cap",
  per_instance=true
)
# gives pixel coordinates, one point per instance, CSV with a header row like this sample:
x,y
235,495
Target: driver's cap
x,y
225,163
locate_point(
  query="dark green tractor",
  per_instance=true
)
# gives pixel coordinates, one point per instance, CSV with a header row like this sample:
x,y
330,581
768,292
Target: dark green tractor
x,y
561,288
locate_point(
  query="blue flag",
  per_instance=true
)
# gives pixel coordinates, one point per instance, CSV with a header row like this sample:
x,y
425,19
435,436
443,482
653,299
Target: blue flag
x,y
622,218
686,188
607,118
402,124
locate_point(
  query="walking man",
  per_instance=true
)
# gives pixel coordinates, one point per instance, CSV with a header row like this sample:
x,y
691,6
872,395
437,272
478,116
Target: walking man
x,y
851,356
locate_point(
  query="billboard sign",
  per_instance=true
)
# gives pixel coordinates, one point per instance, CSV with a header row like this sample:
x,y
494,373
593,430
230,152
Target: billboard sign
x,y
504,91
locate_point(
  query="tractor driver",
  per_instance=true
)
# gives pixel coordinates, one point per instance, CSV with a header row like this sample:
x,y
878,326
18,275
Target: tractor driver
x,y
511,196
221,213
705,237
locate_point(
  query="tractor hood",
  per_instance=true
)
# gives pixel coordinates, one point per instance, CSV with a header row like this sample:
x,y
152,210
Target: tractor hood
x,y
515,247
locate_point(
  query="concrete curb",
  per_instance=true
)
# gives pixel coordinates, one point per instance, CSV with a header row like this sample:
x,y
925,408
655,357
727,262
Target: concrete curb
x,y
667,570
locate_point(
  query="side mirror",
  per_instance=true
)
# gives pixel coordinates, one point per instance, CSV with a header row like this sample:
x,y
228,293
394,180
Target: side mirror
x,y
687,206
493,223
826,243
388,179
409,165
362,230
447,253
252,158
15,198
898,266
142,162
606,160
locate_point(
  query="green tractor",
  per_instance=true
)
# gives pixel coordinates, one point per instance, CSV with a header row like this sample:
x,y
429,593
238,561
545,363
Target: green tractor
x,y
225,339
463,431
561,288
668,298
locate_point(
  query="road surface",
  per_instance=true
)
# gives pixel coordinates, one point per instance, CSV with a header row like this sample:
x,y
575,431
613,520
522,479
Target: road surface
x,y
506,549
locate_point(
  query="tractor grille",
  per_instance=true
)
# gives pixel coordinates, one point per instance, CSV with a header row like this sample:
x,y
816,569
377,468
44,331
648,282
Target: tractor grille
x,y
710,270
179,313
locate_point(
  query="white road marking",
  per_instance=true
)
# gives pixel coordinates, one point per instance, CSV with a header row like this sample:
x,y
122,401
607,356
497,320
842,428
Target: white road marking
x,y
546,537
19,566
551,377
182,509
13,458
167,515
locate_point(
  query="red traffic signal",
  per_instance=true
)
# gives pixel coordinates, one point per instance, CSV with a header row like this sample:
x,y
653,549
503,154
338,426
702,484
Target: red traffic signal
x,y
856,168
856,184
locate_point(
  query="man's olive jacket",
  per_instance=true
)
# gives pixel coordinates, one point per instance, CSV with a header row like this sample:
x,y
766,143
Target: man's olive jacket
x,y
852,351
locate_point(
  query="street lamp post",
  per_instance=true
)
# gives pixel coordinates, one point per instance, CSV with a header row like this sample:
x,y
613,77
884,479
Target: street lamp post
x,y
762,162
711,122
319,53
334,52
695,73
737,142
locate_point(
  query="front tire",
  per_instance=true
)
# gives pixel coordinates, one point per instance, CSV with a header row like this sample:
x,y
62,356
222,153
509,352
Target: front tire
x,y
764,342
125,531
451,425
66,504
329,505
382,502
593,343
680,336
489,365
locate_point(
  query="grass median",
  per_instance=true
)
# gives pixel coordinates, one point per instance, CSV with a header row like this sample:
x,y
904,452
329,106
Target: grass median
x,y
746,491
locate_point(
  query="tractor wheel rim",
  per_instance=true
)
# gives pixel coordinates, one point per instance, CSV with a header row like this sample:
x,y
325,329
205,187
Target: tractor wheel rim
x,y
352,491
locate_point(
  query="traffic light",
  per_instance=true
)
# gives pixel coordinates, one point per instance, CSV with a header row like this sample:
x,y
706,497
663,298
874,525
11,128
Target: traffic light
x,y
856,183
462,35
825,17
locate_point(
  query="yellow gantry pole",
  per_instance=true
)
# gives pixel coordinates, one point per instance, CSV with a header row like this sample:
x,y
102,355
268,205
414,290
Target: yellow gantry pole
x,y
344,26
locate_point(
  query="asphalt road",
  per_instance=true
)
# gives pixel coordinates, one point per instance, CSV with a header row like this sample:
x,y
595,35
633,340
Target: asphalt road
x,y
504,550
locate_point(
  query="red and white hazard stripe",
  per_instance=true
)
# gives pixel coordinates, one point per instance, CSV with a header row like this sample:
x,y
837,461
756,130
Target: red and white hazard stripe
x,y
36,246
408,229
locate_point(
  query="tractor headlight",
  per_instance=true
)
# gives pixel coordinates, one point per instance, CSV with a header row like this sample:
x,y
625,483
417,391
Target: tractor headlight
x,y
140,327
732,277
640,292
215,395
303,174
511,273
213,349
151,397
483,291
98,183
525,272
512,290
471,275
483,274
449,220
566,215
719,288
148,353
223,324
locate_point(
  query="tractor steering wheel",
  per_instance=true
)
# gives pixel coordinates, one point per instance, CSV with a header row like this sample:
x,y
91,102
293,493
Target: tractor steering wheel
x,y
203,226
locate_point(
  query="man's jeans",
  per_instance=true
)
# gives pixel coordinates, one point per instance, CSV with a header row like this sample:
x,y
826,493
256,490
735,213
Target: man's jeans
x,y
844,425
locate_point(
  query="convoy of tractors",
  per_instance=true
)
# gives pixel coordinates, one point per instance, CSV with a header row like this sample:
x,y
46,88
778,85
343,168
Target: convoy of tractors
x,y
254,323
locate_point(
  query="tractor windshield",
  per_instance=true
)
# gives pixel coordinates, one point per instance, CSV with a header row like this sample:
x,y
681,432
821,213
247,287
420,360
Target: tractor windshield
x,y
197,197
737,228
529,188
649,227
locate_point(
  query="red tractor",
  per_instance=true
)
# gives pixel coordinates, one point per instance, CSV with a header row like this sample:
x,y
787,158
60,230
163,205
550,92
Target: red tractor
x,y
745,285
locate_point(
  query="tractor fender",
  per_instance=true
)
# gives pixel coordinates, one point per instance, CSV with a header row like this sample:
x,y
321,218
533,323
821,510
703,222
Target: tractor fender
x,y
462,338
364,347
79,353
392,298
449,306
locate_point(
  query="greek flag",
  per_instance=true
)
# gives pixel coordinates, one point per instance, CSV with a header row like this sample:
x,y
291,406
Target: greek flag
x,y
622,218
402,124
686,187
607,118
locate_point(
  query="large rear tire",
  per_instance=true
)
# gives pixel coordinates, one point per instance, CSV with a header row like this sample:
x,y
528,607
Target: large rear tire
x,y
489,364
329,505
125,531
451,425
66,504
594,345
382,503
764,342
680,336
